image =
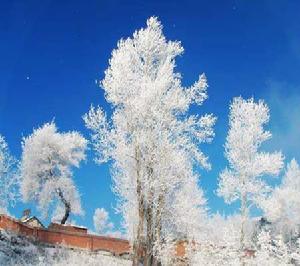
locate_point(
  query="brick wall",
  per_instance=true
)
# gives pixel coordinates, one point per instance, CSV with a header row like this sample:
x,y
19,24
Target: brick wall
x,y
66,238
73,238
180,248
69,228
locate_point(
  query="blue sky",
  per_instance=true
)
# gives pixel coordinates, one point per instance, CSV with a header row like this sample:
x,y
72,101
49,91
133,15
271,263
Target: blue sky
x,y
51,53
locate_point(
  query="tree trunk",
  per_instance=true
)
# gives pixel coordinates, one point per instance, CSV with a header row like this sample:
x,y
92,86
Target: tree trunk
x,y
67,207
158,223
244,213
150,218
244,217
149,236
138,242
64,201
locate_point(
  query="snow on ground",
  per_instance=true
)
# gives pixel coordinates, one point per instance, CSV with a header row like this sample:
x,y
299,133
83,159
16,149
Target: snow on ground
x,y
19,251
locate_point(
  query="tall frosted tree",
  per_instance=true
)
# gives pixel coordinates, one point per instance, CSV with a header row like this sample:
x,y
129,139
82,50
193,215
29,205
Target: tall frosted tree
x,y
151,139
244,179
46,169
9,180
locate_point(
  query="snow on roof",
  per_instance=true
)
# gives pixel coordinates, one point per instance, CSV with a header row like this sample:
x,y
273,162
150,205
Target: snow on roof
x,y
75,225
27,219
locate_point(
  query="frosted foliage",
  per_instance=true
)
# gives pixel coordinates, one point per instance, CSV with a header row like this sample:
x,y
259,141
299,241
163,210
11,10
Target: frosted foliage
x,y
46,168
267,251
188,205
225,231
274,251
151,139
207,254
244,179
246,163
9,180
282,208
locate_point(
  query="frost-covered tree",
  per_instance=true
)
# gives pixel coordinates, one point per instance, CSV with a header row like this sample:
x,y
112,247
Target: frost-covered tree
x,y
9,180
243,180
188,199
225,231
151,139
274,251
267,251
46,169
282,208
220,244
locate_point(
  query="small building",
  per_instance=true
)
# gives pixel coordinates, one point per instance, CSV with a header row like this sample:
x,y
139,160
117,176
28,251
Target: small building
x,y
31,220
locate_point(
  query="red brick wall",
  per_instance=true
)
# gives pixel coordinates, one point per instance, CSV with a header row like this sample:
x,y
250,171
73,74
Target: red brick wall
x,y
70,239
74,239
13,225
119,246
69,228
65,238
180,248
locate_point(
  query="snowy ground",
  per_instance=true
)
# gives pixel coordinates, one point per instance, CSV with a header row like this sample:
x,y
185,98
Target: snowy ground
x,y
18,251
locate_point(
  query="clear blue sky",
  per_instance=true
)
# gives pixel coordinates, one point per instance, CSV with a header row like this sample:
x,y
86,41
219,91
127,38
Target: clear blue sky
x,y
51,53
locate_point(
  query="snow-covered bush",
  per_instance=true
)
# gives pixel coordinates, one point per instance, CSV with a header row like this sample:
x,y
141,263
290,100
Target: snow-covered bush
x,y
282,208
267,251
225,231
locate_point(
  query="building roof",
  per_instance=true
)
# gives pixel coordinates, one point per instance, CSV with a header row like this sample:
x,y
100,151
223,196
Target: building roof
x,y
26,220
